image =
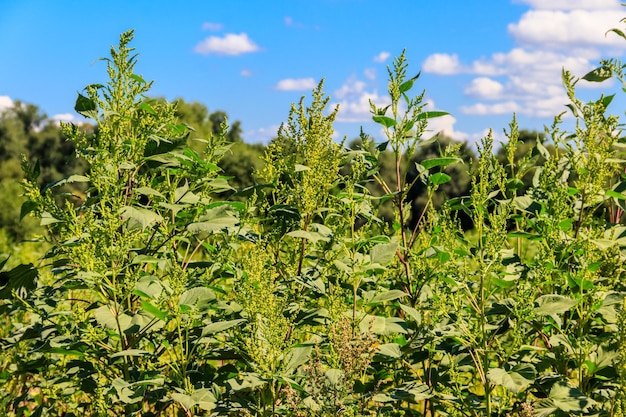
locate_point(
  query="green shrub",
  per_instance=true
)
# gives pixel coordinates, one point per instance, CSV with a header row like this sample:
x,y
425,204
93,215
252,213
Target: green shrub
x,y
299,300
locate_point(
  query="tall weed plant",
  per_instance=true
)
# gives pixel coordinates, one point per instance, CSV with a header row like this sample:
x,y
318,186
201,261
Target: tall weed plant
x,y
158,298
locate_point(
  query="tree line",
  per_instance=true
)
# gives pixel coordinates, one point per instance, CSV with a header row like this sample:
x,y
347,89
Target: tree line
x,y
27,132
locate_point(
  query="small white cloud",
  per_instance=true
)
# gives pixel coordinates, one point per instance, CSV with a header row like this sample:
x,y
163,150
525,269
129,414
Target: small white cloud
x,y
350,88
290,22
382,57
370,73
246,73
5,103
262,134
213,27
442,64
230,44
67,118
571,4
507,107
357,110
484,88
296,84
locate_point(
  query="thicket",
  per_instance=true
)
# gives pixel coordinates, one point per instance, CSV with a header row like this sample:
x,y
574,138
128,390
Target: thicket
x,y
292,297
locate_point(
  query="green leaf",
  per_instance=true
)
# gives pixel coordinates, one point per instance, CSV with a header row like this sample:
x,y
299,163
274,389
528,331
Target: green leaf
x,y
431,114
86,107
515,380
139,217
384,120
383,253
440,162
439,178
20,279
106,318
296,356
310,236
391,350
155,311
387,296
220,326
406,86
130,352
553,304
199,296
382,325
27,207
214,220
565,398
598,75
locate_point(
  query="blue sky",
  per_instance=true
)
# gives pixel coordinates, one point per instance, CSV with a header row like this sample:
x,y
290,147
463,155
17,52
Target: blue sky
x,y
480,60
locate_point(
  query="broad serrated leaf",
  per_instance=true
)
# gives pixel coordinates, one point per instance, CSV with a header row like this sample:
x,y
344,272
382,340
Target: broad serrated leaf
x,y
383,253
516,379
220,326
598,75
214,220
439,178
139,217
20,279
384,120
387,296
200,297
296,356
553,304
439,162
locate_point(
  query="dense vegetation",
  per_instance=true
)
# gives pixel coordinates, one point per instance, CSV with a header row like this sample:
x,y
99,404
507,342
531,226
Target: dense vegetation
x,y
407,277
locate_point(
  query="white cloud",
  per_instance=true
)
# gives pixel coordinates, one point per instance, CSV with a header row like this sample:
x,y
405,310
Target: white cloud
x,y
230,44
350,88
553,35
245,73
357,109
370,73
382,57
213,27
66,117
5,103
442,64
572,4
296,84
484,88
261,135
506,107
559,29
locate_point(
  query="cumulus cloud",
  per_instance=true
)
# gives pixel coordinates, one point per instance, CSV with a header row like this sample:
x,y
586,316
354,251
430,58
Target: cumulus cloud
x,y
350,88
5,103
551,36
229,44
567,28
442,64
296,84
369,73
261,135
382,57
211,26
485,88
571,4
357,109
506,107
66,117
245,73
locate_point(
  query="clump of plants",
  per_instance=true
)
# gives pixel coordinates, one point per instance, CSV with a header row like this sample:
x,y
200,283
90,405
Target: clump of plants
x,y
158,297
